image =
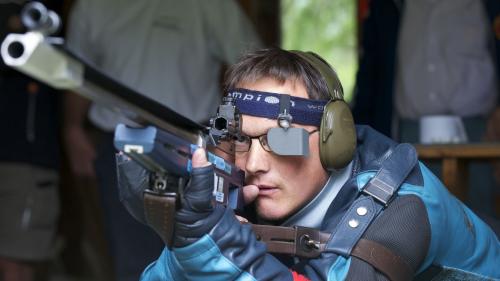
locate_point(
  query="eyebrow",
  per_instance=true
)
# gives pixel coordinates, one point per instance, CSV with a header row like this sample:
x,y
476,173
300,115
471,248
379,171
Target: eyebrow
x,y
256,135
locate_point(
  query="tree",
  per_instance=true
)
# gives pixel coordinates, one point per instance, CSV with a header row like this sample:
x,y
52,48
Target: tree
x,y
326,27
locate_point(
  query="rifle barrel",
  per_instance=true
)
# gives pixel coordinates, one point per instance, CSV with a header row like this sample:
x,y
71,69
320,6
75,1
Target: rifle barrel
x,y
33,54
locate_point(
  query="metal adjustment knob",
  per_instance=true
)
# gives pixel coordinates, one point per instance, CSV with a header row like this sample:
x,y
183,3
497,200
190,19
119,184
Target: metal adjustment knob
x,y
309,242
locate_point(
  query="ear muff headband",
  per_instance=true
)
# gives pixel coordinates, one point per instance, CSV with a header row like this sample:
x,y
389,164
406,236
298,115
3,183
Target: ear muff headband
x,y
337,132
335,89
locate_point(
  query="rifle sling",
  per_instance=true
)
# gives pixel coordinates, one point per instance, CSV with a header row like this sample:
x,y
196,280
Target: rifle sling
x,y
296,241
383,259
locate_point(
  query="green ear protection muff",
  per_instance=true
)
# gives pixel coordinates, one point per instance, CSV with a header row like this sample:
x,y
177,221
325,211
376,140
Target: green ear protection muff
x,y
337,132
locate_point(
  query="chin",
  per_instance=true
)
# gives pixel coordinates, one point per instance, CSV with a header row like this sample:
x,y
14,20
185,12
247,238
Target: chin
x,y
271,212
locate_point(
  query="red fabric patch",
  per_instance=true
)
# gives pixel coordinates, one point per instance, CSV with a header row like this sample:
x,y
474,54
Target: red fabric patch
x,y
298,277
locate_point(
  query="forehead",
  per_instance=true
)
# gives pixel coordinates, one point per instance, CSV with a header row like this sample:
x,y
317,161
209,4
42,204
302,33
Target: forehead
x,y
253,125
291,87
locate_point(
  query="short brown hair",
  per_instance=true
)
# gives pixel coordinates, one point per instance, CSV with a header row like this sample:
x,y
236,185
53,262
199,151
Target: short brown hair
x,y
280,65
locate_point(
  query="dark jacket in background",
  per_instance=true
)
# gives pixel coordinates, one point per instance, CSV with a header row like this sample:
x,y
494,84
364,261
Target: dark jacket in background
x,y
29,110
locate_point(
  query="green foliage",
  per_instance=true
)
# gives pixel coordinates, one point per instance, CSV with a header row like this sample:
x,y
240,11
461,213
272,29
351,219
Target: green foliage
x,y
326,27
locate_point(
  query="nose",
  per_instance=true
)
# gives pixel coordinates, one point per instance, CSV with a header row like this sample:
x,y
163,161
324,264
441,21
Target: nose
x,y
257,159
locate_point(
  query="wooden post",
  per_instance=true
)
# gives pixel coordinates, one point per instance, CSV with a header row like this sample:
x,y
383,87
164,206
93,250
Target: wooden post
x,y
455,176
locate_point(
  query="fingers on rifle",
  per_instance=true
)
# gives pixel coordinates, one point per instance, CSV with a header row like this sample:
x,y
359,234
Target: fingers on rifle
x,y
241,219
200,158
250,193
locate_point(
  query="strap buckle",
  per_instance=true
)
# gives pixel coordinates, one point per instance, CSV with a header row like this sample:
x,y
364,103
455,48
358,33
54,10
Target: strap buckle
x,y
297,241
392,173
308,242
379,190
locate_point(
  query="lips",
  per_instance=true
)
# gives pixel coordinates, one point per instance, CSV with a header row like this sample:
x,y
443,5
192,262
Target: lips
x,y
266,190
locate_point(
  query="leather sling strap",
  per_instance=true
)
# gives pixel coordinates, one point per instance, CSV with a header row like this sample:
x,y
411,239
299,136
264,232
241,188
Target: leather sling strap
x,y
309,243
383,259
296,241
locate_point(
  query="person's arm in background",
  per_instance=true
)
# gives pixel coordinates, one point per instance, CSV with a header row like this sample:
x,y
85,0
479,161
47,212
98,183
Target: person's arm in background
x,y
78,146
80,150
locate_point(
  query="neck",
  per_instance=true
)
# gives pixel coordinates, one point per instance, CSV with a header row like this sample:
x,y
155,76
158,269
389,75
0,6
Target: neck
x,y
312,214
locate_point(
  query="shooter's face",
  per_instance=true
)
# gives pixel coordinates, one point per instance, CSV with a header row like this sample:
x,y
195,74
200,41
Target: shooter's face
x,y
286,183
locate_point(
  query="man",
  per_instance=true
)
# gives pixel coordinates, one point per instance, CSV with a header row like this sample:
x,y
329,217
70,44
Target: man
x,y
172,51
424,58
386,216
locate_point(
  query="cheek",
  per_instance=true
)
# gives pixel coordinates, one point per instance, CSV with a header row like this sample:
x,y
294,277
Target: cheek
x,y
294,171
240,161
308,172
295,165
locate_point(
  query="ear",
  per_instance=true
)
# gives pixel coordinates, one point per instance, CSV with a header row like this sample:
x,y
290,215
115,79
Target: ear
x,y
338,136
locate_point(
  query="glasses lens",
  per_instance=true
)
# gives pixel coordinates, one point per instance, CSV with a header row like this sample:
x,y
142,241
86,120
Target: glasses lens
x,y
242,144
264,143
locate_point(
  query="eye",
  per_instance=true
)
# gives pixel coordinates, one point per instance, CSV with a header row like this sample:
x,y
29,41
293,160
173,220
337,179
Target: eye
x,y
264,143
242,144
241,140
